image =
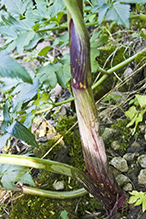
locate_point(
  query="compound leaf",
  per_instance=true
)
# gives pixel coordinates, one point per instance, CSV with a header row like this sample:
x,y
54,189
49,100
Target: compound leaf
x,y
11,69
119,13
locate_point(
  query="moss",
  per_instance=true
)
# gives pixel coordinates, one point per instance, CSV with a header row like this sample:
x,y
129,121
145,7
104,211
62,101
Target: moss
x,y
39,207
118,55
44,147
141,57
123,134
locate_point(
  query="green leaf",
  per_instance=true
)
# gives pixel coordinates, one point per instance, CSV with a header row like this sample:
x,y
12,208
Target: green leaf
x,y
133,1
27,92
17,6
62,40
144,203
28,121
131,112
119,13
95,35
94,63
8,83
141,100
139,118
34,41
46,74
64,215
8,33
132,199
101,41
11,174
6,112
102,11
27,179
63,74
3,140
21,132
24,39
138,202
44,51
57,7
12,69
109,97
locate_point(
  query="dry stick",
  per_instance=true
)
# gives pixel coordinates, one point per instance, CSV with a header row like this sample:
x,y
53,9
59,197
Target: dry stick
x,y
121,83
59,140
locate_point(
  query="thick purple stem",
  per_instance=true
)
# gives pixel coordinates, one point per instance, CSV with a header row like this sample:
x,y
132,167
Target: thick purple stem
x,y
102,183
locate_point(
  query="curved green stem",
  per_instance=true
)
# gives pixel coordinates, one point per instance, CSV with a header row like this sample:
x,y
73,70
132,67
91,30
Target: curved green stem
x,y
140,16
39,163
115,68
50,194
49,165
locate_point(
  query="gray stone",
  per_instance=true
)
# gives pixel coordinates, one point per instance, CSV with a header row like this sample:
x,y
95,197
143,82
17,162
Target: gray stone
x,y
142,160
115,145
128,187
135,144
119,163
130,156
142,177
122,179
58,185
108,133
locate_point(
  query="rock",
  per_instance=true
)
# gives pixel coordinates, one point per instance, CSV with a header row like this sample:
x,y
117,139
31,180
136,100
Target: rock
x,y
142,160
108,133
135,147
122,179
119,163
115,145
142,177
135,144
58,185
128,71
130,156
128,187
56,90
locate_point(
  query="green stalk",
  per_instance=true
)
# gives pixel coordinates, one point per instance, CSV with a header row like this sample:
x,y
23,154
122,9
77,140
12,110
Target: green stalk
x,y
117,67
50,194
39,163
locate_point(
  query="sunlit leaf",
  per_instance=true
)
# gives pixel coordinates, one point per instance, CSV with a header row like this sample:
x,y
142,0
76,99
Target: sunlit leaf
x,y
3,140
24,39
27,92
17,6
131,112
102,11
11,174
46,74
133,1
57,7
12,69
44,51
64,215
8,83
63,74
132,199
19,131
141,100
119,13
